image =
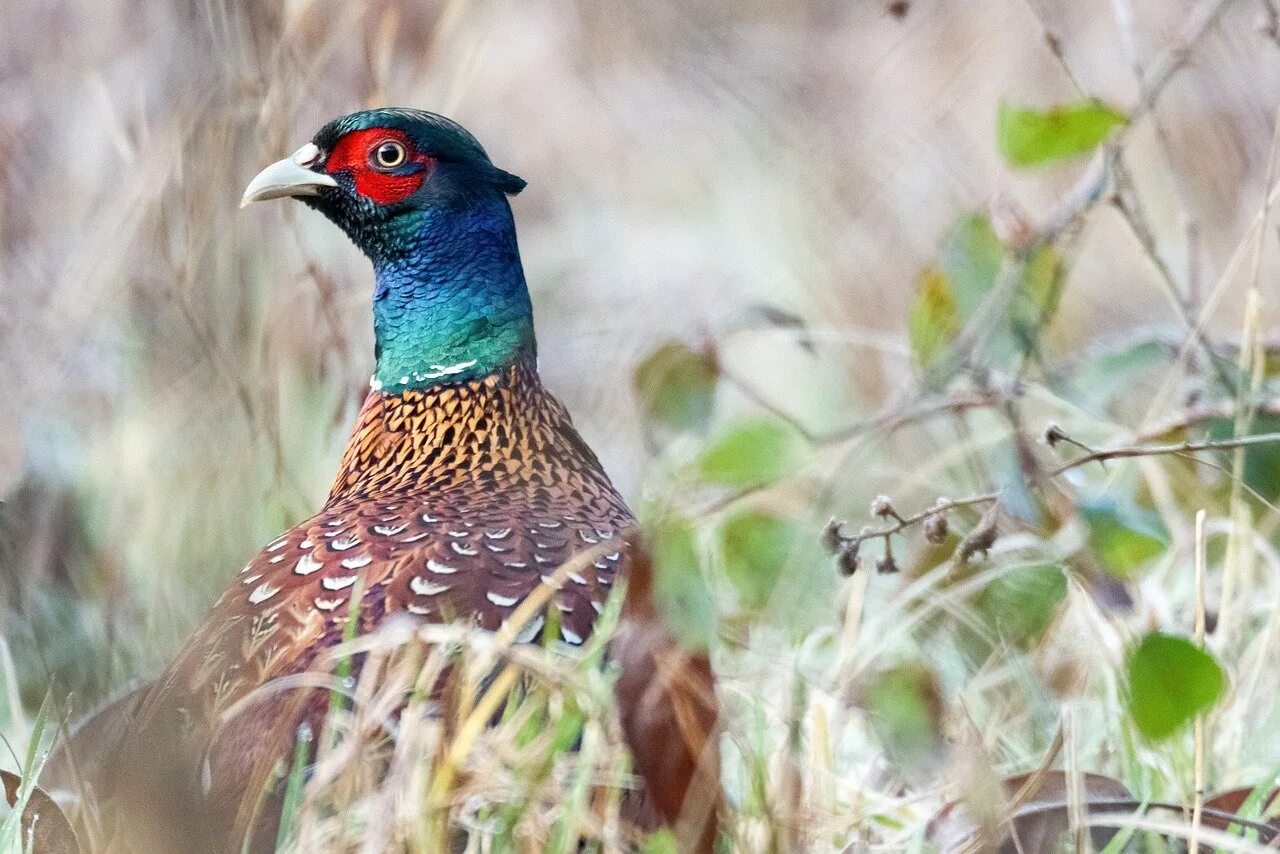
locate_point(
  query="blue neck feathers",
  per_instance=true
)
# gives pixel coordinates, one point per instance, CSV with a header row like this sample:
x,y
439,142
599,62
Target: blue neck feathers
x,y
451,304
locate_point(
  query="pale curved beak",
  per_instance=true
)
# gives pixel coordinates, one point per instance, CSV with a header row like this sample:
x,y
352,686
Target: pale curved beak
x,y
288,177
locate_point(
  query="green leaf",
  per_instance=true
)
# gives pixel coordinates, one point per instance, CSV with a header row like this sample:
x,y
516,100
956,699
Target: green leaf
x,y
1261,470
676,386
1031,137
1171,680
754,547
934,321
970,259
1112,373
681,594
905,707
751,453
660,842
1035,300
567,728
969,267
1124,537
1021,603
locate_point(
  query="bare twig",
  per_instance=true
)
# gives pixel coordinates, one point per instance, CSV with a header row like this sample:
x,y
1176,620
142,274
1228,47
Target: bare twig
x,y
944,505
1179,448
1111,168
1128,204
1090,189
888,419
1197,416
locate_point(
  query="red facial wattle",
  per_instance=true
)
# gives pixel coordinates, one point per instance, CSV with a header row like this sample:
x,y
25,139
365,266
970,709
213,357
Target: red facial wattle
x,y
351,155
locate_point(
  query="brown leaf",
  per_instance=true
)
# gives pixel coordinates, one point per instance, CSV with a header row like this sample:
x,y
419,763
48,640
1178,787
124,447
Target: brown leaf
x,y
1039,822
43,821
667,704
1232,800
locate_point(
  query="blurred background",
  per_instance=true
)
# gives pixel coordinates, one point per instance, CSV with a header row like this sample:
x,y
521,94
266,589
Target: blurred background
x,y
179,375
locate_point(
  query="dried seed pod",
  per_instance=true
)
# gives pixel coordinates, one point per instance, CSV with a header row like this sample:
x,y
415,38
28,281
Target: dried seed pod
x,y
847,557
980,540
936,528
832,539
882,507
886,563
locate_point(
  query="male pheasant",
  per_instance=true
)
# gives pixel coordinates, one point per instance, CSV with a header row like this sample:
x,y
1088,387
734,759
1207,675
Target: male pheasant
x,y
464,482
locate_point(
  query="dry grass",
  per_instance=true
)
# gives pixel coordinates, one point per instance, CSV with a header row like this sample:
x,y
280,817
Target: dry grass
x,y
179,376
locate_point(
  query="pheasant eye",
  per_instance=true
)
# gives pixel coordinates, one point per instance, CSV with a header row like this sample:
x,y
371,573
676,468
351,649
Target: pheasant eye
x,y
388,155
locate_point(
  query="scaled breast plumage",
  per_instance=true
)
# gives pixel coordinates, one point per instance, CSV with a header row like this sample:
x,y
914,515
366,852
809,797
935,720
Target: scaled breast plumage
x,y
450,504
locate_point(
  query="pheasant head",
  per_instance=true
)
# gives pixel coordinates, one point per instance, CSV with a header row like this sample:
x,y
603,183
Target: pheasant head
x,y
419,196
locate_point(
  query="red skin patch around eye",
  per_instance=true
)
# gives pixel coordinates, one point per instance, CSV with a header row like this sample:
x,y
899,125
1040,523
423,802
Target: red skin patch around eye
x,y
351,154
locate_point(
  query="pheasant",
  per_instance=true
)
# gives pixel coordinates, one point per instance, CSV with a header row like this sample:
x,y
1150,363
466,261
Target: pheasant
x,y
463,485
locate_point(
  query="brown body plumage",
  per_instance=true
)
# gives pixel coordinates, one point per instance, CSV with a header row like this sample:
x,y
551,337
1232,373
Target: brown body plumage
x,y
451,504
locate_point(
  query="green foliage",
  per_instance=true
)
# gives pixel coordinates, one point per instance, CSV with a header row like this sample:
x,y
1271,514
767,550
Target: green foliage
x,y
294,784
1261,471
11,838
1171,680
660,842
1124,537
970,258
1031,137
905,705
955,296
1035,300
754,548
681,594
934,322
676,386
1022,602
1107,375
751,453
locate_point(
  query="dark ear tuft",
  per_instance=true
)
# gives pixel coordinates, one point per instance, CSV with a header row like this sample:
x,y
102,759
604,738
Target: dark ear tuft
x,y
508,183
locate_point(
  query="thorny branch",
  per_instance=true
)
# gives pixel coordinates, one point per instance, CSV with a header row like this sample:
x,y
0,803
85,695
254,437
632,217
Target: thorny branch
x,y
846,547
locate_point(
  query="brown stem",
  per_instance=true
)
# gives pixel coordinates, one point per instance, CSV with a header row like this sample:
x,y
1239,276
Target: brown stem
x,y
945,505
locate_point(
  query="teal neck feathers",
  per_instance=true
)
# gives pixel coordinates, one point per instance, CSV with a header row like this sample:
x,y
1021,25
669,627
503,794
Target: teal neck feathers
x,y
450,302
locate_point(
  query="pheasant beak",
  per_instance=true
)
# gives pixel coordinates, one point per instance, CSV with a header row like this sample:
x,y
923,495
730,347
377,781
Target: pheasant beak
x,y
289,177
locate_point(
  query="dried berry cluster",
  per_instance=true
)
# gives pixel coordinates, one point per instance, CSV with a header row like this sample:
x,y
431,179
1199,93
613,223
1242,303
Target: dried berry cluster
x,y
846,548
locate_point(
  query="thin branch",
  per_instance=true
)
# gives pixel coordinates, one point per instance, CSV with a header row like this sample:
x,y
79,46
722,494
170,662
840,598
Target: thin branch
x,y
1091,187
1054,43
889,419
1175,57
944,505
1127,202
1112,170
1129,451
1199,415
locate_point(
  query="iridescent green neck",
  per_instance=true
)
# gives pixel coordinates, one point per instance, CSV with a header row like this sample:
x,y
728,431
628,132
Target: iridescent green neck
x,y
451,302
